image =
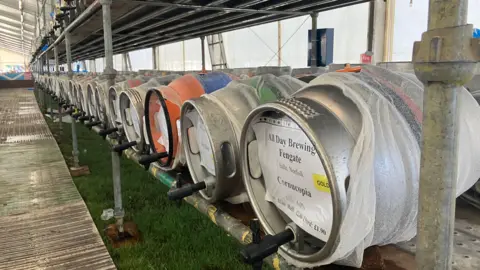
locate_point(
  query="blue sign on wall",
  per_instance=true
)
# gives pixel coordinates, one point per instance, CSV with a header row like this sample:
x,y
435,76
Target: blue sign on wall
x,y
15,76
324,47
476,33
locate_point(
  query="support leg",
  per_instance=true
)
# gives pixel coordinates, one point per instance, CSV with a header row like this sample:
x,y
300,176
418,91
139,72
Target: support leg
x,y
202,39
50,100
314,37
117,191
119,233
76,170
443,62
57,75
60,119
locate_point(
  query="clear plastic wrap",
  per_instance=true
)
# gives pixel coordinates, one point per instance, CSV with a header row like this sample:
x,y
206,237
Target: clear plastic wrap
x,y
131,107
382,198
270,87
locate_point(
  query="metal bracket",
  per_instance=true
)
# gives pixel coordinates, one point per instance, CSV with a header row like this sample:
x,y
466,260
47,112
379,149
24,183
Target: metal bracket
x,y
105,2
446,55
109,72
476,48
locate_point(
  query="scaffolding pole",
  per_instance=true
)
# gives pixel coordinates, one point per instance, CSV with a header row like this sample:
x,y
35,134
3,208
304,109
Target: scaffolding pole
x,y
68,49
110,72
57,75
444,62
202,40
314,55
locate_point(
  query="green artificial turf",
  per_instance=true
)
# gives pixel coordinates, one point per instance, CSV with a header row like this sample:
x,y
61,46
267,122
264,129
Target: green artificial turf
x,y
172,237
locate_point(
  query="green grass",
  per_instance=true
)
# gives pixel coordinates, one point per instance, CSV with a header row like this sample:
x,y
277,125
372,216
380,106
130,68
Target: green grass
x,y
172,237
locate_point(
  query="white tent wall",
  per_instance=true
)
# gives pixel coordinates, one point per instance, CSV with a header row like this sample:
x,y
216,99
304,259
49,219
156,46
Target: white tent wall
x,y
171,56
10,60
88,67
117,62
99,64
251,47
141,59
193,55
350,26
411,21
256,46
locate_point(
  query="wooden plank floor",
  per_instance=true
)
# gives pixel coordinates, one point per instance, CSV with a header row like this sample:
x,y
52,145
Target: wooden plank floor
x,y
44,223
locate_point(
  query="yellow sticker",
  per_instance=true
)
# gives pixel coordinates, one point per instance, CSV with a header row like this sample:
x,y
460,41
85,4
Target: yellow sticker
x,y
321,182
245,239
211,213
154,171
276,262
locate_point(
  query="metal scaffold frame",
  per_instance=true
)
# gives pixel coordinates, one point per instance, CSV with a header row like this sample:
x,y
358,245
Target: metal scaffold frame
x,y
441,68
134,25
445,60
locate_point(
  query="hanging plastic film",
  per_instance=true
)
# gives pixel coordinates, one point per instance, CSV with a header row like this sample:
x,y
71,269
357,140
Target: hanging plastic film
x,y
71,88
162,111
62,87
131,103
79,87
339,163
113,105
211,127
90,98
101,98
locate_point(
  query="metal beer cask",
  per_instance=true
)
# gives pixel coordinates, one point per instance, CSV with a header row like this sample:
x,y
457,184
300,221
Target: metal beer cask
x,y
211,127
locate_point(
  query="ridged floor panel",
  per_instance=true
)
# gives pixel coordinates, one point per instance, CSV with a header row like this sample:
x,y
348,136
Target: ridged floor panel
x,y
20,118
44,223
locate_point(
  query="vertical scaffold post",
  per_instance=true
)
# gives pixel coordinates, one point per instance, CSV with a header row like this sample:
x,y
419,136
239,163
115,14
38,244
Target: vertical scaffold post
x,y
45,65
129,61
40,92
279,43
156,64
70,77
444,60
44,92
92,67
125,62
202,40
110,72
57,75
50,98
37,84
314,41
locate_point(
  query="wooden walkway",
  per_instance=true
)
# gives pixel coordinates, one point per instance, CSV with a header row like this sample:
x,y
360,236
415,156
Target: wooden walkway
x,y
44,223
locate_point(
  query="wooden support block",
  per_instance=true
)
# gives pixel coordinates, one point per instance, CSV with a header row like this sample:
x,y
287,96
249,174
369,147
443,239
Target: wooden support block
x,y
79,171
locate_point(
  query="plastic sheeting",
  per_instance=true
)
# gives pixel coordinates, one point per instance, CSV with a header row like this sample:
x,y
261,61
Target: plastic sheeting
x,y
270,88
101,97
382,198
80,86
233,103
114,91
61,85
133,109
266,88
